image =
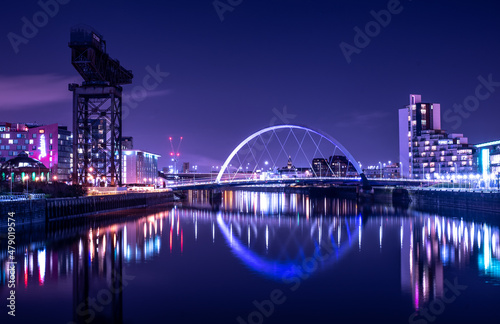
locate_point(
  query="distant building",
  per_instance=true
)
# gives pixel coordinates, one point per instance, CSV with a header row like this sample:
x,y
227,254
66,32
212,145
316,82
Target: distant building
x,y
13,140
392,171
289,170
373,172
334,166
185,167
320,167
50,144
127,143
139,167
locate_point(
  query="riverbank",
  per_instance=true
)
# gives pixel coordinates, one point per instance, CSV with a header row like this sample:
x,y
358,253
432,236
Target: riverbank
x,y
47,210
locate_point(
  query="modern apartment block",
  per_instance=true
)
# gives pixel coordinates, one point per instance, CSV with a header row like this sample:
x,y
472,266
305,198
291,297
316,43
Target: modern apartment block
x,y
424,148
413,119
139,167
435,151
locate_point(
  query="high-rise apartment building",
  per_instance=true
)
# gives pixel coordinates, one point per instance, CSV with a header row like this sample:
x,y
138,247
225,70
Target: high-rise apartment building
x,y
413,119
424,148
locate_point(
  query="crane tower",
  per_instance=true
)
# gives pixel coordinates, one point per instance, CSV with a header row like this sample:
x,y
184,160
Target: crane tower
x,y
97,109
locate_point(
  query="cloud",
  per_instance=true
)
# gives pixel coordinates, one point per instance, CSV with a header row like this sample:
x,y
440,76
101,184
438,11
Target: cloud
x,y
27,91
361,120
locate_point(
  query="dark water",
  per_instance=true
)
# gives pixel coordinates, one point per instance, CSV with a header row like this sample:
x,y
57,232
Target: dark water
x,y
260,258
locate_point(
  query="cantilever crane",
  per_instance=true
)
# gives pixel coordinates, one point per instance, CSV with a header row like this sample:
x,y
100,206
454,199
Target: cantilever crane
x,y
97,110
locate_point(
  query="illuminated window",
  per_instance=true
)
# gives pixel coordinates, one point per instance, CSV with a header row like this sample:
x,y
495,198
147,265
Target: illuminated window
x,y
41,131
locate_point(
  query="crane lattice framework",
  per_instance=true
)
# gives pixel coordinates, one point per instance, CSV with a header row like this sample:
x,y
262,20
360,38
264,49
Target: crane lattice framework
x,y
97,109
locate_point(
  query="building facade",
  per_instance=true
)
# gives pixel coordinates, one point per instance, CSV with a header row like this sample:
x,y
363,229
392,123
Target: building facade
x,y
49,144
127,143
488,158
435,151
413,119
139,167
334,166
425,150
13,140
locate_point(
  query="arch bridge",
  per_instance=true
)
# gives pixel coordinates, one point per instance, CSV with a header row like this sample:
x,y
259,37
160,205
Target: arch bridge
x,y
286,154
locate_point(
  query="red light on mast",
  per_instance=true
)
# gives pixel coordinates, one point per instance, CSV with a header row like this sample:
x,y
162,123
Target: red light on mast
x,y
171,153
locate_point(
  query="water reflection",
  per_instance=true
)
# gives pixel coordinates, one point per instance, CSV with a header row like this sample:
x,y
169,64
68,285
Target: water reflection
x,y
271,234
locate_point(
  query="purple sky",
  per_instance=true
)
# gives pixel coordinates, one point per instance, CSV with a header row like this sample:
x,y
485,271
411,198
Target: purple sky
x,y
228,78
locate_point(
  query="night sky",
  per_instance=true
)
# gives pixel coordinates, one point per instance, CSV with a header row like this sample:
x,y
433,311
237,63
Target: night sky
x,y
229,78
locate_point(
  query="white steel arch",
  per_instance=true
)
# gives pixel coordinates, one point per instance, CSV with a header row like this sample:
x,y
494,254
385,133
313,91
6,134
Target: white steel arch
x,y
277,127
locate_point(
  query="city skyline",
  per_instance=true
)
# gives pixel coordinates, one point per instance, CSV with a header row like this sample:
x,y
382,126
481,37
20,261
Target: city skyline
x,y
218,81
